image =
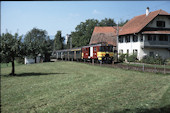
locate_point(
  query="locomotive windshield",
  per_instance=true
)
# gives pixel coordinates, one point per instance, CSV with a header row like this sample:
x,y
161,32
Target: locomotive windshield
x,y
106,48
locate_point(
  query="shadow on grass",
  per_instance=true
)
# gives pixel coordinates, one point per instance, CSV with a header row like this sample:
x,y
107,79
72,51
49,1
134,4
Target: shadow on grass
x,y
32,74
165,109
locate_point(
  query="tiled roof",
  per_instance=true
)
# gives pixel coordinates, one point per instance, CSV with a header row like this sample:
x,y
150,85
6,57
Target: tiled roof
x,y
156,32
137,23
104,34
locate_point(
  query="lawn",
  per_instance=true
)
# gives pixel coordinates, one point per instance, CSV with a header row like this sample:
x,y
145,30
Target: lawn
x,y
63,87
148,65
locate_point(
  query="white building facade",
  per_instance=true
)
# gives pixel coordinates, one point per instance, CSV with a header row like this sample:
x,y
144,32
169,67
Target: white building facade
x,y
151,38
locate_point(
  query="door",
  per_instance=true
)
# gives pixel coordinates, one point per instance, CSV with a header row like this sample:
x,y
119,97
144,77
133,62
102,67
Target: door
x,y
91,51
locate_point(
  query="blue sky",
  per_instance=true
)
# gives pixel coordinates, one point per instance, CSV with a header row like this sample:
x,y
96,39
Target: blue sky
x,y
66,15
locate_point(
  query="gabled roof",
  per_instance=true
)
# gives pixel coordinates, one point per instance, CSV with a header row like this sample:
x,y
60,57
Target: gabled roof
x,y
137,23
104,34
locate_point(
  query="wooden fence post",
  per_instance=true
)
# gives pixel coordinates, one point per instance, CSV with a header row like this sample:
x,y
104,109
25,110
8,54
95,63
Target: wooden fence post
x,y
164,69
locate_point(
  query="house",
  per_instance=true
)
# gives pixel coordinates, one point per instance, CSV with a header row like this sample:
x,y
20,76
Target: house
x,y
31,60
146,35
107,35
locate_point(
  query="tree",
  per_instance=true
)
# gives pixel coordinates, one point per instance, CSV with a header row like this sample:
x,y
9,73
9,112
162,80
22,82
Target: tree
x,y
107,22
11,47
58,41
122,22
47,49
82,34
35,42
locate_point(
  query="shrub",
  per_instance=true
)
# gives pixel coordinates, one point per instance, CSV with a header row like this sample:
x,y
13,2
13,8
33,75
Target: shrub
x,y
122,57
20,60
132,58
152,60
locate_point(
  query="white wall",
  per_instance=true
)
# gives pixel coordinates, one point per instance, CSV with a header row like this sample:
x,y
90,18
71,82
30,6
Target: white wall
x,y
28,60
164,53
142,51
131,46
160,18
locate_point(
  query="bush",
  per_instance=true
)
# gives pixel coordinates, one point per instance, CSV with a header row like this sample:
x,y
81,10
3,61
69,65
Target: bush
x,y
132,58
152,60
20,60
122,57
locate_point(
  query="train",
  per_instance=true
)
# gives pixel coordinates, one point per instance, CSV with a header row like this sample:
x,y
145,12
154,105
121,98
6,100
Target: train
x,y
101,53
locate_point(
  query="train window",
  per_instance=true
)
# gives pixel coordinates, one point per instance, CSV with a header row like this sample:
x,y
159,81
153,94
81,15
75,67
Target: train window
x,y
86,49
102,48
94,48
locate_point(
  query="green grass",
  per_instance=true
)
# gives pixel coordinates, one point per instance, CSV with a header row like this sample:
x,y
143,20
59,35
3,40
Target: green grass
x,y
148,65
63,87
3,65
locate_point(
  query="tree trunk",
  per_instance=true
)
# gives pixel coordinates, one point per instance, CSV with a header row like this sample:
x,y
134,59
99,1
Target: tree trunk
x,y
35,59
13,67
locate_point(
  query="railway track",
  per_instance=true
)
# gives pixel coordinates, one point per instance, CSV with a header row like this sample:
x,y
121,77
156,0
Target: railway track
x,y
128,67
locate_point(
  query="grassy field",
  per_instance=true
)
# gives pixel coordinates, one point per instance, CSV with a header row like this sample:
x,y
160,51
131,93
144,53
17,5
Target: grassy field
x,y
148,65
62,87
9,64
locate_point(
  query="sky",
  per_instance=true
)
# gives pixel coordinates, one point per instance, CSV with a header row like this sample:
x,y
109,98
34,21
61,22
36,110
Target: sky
x,y
22,16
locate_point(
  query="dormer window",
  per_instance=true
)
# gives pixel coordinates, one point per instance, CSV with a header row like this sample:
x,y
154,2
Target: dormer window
x,y
160,23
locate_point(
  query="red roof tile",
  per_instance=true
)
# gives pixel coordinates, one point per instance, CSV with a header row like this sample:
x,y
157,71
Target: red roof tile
x,y
104,34
137,23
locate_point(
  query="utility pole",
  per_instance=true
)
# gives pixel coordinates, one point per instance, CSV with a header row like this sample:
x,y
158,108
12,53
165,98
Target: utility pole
x,y
117,37
70,42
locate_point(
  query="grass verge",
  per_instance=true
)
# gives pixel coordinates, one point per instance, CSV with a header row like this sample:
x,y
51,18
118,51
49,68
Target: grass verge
x,y
76,87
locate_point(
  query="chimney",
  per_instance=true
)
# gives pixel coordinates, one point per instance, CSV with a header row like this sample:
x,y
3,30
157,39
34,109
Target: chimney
x,y
147,11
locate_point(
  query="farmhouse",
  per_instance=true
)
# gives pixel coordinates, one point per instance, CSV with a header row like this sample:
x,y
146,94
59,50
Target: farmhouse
x,y
146,35
104,35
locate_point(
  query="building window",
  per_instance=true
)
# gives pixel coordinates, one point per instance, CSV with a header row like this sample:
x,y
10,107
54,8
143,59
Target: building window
x,y
127,38
163,37
135,52
151,37
160,23
121,51
141,38
121,39
135,38
128,52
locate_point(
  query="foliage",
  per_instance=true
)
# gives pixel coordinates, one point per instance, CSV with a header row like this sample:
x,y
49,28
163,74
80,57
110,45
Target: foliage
x,y
83,32
107,22
20,60
35,42
11,47
153,60
122,22
122,57
58,41
62,87
132,58
82,35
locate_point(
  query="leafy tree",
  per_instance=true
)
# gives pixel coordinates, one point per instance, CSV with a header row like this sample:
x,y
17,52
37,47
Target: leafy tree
x,y
107,22
84,30
58,41
122,22
47,49
35,42
11,47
